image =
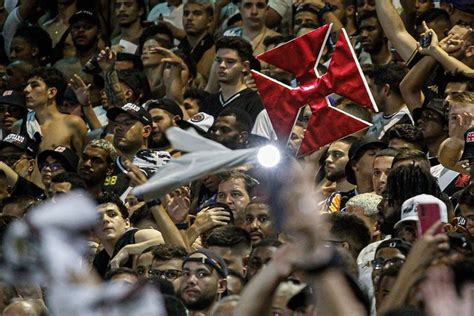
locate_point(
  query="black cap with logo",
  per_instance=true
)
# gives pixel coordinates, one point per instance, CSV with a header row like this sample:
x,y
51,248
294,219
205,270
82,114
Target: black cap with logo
x,y
68,158
134,110
21,142
15,98
84,15
468,153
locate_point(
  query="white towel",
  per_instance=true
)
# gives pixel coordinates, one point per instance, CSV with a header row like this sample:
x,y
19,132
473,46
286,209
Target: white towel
x,y
32,125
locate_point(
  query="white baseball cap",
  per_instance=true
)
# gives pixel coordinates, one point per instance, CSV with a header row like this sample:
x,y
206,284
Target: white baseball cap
x,y
201,121
409,208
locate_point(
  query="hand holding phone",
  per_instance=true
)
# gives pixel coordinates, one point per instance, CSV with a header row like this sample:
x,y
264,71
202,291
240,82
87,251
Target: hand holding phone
x,y
428,215
425,41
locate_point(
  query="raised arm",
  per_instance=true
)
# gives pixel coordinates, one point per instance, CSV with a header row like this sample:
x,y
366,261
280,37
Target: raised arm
x,y
412,84
394,29
113,89
451,149
81,91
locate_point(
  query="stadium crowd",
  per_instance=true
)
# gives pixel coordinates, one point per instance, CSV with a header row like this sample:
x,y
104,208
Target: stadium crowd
x,y
380,222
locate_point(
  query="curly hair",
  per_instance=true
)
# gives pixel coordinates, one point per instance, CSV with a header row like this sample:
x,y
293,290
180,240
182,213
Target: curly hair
x,y
109,197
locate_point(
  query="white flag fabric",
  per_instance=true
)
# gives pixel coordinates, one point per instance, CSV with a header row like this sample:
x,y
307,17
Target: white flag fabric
x,y
49,247
204,157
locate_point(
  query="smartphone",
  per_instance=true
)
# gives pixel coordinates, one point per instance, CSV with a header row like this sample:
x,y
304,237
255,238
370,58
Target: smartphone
x,y
428,214
425,41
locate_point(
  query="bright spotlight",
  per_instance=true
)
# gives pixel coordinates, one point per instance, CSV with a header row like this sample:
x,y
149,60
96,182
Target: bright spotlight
x,y
268,156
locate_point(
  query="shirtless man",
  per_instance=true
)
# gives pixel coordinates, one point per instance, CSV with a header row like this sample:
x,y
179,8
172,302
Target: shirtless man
x,y
45,87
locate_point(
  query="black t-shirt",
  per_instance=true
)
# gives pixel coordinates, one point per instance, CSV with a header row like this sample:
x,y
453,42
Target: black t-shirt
x,y
246,100
118,182
25,187
102,259
197,52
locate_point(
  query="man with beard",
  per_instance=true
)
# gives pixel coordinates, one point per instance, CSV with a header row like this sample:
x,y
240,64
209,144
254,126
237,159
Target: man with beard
x,y
96,163
231,128
203,281
164,114
12,108
132,129
234,191
129,14
198,43
335,165
384,83
85,36
373,39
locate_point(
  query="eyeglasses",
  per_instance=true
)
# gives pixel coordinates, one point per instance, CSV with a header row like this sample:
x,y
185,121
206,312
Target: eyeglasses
x,y
380,263
55,166
170,274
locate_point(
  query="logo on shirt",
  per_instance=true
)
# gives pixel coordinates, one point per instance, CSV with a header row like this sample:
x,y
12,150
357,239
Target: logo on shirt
x,y
198,117
470,137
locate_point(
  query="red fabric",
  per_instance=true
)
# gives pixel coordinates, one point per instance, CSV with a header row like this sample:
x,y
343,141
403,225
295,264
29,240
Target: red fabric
x,y
343,77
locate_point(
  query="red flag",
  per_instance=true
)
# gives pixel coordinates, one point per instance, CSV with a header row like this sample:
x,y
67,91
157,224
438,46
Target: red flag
x,y
344,77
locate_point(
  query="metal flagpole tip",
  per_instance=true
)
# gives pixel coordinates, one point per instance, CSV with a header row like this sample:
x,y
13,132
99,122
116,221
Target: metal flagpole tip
x,y
268,156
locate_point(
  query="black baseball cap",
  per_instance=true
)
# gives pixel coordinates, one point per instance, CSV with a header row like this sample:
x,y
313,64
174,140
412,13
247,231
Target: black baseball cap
x,y
357,149
134,110
468,152
396,243
165,104
15,98
211,259
84,15
65,155
21,142
307,7
436,105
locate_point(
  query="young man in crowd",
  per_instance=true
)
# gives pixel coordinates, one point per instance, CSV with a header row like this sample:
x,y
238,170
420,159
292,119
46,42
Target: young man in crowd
x,y
85,30
95,164
44,122
227,213
384,83
198,43
254,30
203,281
381,169
114,232
235,191
129,18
